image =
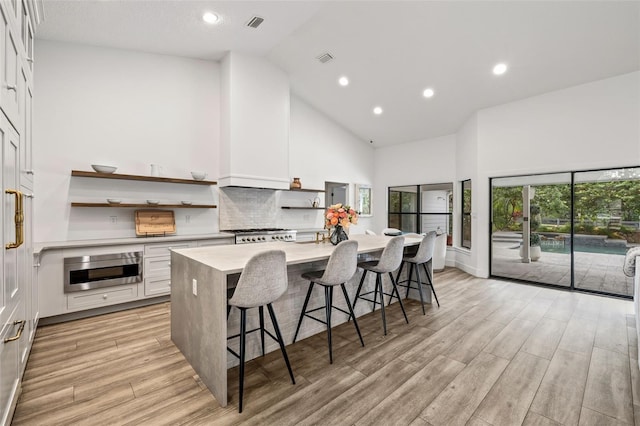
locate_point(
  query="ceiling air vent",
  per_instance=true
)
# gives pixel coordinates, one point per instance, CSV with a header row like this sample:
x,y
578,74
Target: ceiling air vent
x,y
255,22
325,57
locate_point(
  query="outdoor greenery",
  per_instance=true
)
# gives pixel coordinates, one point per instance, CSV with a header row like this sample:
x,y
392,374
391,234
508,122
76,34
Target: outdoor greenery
x,y
600,207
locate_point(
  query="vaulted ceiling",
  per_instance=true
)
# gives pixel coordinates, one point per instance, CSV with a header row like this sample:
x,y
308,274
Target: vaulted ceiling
x,y
391,51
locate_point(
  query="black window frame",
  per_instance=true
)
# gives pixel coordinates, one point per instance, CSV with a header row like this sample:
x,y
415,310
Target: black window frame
x,y
465,216
417,214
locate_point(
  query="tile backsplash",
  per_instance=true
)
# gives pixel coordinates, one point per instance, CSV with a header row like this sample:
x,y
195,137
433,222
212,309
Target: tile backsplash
x,y
245,208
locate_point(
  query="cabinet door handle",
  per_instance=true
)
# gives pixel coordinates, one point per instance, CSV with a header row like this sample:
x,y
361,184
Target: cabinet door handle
x,y
11,87
30,60
29,172
18,334
18,219
29,196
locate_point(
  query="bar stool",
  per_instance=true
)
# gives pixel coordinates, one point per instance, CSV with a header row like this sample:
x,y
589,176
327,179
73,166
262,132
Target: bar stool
x,y
263,280
342,265
422,257
389,261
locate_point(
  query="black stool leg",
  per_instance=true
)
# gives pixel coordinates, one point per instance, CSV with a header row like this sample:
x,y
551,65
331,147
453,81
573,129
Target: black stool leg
x,y
261,310
409,280
280,341
399,272
384,317
395,289
355,322
355,300
304,310
420,288
431,283
328,296
243,332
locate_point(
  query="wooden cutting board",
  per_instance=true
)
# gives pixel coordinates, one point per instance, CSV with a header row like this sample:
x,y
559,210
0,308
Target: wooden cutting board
x,y
155,222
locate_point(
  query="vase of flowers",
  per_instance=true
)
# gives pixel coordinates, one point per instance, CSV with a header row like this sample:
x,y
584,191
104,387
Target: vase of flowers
x,y
338,218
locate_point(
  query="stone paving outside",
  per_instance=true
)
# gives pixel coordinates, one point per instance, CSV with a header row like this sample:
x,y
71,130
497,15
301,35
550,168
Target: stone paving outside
x,y
593,271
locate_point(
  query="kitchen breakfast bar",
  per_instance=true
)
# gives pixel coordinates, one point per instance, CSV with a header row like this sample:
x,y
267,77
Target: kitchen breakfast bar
x,y
201,276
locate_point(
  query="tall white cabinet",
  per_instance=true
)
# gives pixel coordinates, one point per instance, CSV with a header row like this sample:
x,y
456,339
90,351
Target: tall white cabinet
x,y
18,287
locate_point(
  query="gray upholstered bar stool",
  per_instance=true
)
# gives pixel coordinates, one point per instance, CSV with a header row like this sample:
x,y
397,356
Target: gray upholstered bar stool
x,y
389,261
342,265
421,258
263,280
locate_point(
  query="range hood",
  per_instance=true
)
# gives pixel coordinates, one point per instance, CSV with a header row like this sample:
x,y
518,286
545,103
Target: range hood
x,y
255,110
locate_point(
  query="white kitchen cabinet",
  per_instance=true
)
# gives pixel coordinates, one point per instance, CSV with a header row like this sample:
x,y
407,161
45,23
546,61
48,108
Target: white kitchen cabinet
x,y
157,267
102,297
26,155
9,369
19,310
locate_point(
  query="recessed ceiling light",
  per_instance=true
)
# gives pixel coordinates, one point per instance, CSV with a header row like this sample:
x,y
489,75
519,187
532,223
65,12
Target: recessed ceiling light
x,y
377,110
210,18
500,69
428,93
343,81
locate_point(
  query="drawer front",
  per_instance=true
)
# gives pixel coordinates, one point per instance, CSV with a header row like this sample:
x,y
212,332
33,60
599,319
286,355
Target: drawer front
x,y
164,249
157,266
216,242
157,286
96,298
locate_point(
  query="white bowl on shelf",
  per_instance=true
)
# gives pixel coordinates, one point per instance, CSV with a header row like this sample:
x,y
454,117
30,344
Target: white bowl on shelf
x,y
113,201
186,203
198,175
103,169
153,202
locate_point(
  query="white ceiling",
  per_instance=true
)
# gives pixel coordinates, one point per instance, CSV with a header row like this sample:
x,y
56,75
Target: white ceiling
x,y
390,50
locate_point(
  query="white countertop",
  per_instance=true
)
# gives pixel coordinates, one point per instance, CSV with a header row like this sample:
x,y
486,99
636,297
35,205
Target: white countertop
x,y
232,259
50,245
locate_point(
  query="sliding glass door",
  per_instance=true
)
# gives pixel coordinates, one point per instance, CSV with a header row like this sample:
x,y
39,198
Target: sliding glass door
x,y
605,223
531,223
577,227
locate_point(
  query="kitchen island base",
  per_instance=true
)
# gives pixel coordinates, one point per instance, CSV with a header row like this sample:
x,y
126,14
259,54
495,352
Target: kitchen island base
x,y
198,310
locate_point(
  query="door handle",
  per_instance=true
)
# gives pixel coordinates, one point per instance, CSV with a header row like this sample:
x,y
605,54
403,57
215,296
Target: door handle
x,y
18,219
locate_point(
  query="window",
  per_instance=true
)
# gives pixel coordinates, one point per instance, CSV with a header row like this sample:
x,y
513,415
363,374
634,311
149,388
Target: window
x,y
403,208
465,235
422,208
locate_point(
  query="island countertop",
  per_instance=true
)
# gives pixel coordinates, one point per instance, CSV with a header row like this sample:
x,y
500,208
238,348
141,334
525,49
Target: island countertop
x,y
232,259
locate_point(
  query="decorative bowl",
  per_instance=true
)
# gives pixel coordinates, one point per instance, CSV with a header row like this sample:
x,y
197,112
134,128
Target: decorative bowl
x,y
186,203
113,201
103,169
153,202
199,175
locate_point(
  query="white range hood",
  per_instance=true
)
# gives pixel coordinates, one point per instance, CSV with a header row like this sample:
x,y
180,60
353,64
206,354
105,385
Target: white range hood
x,y
255,110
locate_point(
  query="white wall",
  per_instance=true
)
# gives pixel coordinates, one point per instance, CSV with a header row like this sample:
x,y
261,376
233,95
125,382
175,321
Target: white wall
x,y
427,161
594,125
321,150
107,106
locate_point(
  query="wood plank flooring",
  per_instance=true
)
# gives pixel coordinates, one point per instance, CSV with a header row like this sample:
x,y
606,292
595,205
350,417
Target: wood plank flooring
x,y
495,353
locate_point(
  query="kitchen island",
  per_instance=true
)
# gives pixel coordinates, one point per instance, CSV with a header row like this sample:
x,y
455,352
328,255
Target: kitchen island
x,y
201,276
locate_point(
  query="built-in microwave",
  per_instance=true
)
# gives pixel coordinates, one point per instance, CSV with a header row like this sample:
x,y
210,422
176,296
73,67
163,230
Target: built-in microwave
x,y
106,270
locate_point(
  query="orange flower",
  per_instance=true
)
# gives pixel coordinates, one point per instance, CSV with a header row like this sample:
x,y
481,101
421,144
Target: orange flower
x,y
345,222
334,221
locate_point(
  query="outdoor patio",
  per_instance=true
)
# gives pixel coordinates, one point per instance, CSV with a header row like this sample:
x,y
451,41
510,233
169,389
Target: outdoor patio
x,y
593,271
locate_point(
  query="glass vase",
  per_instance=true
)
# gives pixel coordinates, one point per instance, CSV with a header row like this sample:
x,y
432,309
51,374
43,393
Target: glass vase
x,y
338,235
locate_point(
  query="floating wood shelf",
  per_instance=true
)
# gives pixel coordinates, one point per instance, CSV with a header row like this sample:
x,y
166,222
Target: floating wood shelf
x,y
145,205
302,208
80,173
305,190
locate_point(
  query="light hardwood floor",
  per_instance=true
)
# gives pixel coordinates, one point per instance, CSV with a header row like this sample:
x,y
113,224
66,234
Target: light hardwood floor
x,y
495,353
